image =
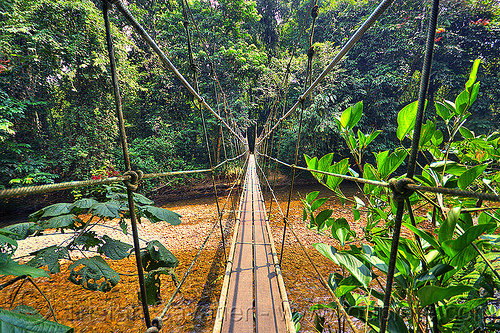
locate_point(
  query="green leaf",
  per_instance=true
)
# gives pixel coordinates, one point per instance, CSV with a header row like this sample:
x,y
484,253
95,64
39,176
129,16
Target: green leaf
x,y
114,249
340,168
473,75
318,203
12,267
153,284
94,270
322,217
433,273
350,262
386,165
52,210
20,230
312,196
427,133
453,310
427,236
473,95
466,133
372,137
448,227
85,203
319,323
431,294
325,162
109,209
13,322
443,111
56,222
453,246
156,255
351,115
470,175
462,102
156,214
140,199
406,120
437,138
341,230
49,257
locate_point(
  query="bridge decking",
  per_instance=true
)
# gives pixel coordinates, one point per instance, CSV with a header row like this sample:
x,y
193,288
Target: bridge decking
x,y
252,294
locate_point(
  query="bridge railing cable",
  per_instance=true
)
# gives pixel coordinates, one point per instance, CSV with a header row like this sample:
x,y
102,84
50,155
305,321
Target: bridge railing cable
x,y
188,271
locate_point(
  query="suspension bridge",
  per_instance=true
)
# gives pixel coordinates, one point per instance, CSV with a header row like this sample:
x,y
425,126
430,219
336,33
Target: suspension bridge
x,y
253,296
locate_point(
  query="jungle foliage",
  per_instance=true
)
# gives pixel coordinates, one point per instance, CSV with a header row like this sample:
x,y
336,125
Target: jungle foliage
x,y
58,123
447,276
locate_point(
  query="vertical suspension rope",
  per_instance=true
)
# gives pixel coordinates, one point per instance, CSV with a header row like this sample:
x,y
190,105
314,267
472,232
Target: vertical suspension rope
x,y
310,54
195,81
424,85
126,157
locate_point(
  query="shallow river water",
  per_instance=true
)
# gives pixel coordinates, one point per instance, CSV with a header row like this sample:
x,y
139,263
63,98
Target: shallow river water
x,y
194,308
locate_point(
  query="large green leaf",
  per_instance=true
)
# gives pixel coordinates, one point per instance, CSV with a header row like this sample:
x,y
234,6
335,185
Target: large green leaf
x,y
13,322
12,267
473,75
387,164
341,230
433,273
427,236
443,111
20,230
470,175
56,222
340,168
56,209
451,311
114,249
49,256
153,284
156,214
431,294
156,256
462,102
351,115
406,120
448,227
85,203
94,270
109,209
347,260
322,217
311,197
318,203
453,246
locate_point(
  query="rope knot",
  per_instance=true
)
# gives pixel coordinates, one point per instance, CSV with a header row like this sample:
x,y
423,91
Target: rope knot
x,y
157,322
152,329
315,11
399,190
194,67
310,52
135,178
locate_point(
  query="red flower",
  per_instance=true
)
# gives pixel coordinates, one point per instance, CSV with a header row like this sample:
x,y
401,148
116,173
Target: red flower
x,y
96,177
437,39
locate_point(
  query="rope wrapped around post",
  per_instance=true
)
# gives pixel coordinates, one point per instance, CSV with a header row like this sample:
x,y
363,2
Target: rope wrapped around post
x,y
400,191
135,179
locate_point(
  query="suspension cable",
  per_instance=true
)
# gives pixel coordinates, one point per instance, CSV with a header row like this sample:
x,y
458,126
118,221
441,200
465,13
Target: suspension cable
x,y
352,41
188,271
132,187
424,84
141,31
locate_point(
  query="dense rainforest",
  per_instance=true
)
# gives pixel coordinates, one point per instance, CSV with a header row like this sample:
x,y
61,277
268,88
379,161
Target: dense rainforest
x,y
430,235
57,116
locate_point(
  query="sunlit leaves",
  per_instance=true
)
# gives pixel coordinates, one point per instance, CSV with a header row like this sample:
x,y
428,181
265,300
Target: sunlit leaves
x,y
351,116
114,249
432,294
406,120
347,260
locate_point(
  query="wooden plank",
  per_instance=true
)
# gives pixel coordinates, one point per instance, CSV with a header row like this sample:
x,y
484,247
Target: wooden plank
x,y
269,315
253,302
239,311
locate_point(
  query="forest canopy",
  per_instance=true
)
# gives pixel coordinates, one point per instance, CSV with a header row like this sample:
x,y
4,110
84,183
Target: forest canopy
x,y
57,115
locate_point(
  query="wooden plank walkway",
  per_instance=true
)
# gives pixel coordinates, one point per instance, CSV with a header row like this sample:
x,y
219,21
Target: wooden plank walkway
x,y
252,294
